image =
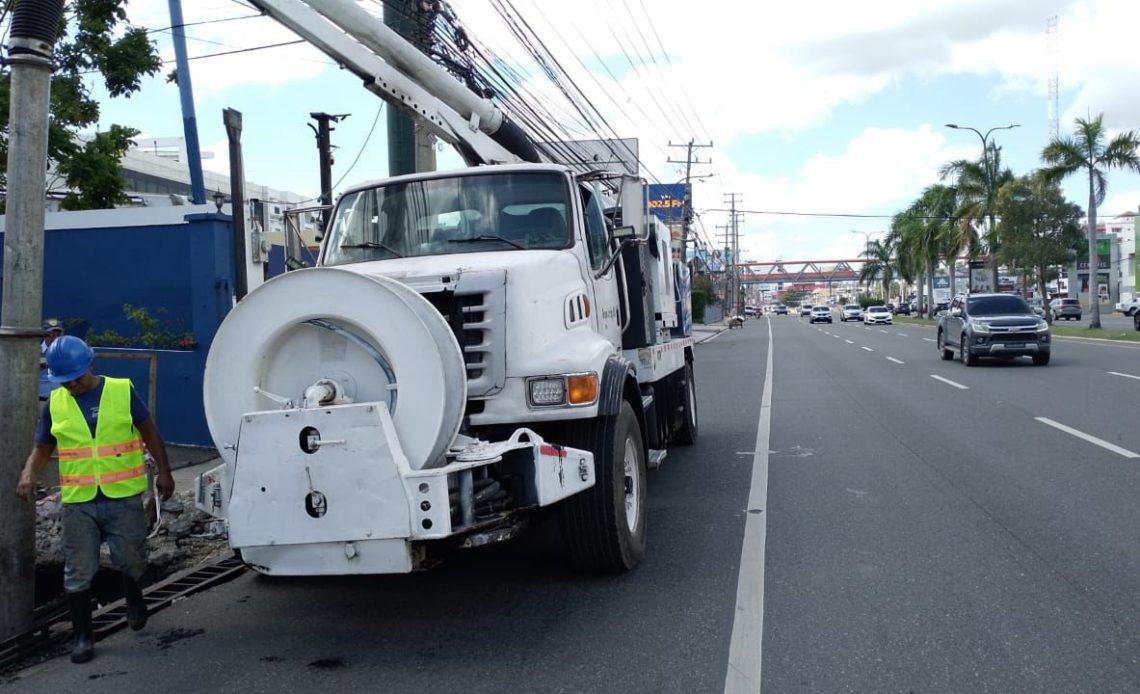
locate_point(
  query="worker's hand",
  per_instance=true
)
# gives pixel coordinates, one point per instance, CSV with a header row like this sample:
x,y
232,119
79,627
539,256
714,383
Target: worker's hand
x,y
26,487
165,484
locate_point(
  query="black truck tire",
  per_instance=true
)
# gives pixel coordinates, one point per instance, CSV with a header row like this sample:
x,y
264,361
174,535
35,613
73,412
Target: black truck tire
x,y
604,526
687,434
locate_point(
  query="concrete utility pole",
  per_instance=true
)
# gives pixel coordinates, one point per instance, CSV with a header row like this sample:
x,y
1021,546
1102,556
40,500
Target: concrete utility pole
x,y
30,49
411,148
687,220
734,237
323,132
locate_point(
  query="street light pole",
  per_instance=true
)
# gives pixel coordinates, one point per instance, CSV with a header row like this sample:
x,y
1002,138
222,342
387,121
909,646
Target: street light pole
x,y
989,193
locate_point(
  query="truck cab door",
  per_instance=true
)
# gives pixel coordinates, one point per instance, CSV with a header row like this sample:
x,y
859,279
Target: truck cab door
x,y
954,320
607,312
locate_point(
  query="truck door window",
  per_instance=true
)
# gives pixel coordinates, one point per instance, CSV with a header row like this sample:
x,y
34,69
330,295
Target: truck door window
x,y
596,236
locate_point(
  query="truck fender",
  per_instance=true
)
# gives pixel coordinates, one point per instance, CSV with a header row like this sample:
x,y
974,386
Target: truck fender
x,y
619,382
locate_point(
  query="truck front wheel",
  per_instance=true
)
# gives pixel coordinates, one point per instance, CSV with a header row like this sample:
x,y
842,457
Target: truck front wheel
x,y
604,526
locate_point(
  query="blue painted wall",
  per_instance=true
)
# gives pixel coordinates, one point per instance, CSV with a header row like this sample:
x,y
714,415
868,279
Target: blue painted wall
x,y
181,272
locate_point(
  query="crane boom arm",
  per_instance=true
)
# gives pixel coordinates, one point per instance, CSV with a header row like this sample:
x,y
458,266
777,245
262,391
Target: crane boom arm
x,y
397,72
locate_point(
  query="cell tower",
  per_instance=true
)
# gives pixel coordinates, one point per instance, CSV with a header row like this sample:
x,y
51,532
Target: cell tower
x,y
1051,47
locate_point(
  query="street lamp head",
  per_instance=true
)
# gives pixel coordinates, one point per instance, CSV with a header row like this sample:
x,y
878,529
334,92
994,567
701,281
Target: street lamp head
x,y
951,125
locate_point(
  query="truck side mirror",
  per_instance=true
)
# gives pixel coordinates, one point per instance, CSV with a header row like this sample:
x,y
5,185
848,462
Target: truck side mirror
x,y
624,232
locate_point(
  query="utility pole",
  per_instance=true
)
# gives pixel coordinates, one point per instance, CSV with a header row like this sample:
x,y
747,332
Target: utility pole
x,y
411,148
30,49
687,219
323,131
734,221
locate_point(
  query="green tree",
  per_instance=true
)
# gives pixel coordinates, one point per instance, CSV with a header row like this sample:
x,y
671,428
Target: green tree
x,y
921,230
1040,227
1088,149
880,265
95,38
975,184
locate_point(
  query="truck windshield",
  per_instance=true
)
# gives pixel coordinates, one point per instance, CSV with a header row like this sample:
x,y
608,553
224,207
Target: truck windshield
x,y
457,214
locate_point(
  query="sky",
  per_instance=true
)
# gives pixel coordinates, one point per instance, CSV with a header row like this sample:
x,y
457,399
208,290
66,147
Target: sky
x,y
816,107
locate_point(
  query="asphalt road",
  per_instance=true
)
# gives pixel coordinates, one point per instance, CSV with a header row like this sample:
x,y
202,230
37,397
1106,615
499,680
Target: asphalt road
x,y
929,528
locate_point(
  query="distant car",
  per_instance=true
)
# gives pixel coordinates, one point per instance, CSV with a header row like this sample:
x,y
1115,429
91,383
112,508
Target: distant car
x,y
1069,309
851,312
781,310
901,309
805,310
820,314
940,308
877,315
1131,308
993,325
751,311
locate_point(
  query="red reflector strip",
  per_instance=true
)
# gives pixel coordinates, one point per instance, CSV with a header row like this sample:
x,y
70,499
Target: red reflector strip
x,y
78,480
74,453
547,449
120,448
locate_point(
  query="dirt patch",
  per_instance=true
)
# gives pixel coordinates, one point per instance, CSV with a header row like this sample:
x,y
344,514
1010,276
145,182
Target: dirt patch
x,y
184,537
171,636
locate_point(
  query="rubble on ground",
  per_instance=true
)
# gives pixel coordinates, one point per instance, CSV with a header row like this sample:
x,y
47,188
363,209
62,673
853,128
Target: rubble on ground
x,y
184,537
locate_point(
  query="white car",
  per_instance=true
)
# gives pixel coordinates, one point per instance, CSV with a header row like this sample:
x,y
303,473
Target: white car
x,y
876,315
821,314
851,312
1131,308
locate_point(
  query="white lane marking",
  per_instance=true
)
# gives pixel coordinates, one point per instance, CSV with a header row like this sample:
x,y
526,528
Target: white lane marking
x,y
744,658
895,360
883,331
836,337
850,342
1117,373
867,348
959,386
1088,437
930,339
902,335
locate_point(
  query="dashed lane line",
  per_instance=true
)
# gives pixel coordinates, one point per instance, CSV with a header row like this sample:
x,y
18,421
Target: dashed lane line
x,y
895,360
850,342
947,381
867,348
1117,373
1088,437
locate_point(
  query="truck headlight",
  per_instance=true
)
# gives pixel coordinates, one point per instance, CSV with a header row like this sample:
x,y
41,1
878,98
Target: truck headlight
x,y
568,389
547,392
979,326
1042,326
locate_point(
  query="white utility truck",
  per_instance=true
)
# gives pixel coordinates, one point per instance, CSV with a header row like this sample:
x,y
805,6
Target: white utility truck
x,y
472,349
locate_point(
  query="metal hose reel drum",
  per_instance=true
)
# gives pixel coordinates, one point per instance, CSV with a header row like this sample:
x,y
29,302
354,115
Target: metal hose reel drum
x,y
376,339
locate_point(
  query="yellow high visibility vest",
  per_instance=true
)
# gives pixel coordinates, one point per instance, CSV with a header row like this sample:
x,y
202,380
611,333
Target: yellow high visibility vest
x,y
112,460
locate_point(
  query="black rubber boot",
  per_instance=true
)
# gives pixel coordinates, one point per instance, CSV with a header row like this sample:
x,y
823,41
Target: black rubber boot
x,y
80,605
136,605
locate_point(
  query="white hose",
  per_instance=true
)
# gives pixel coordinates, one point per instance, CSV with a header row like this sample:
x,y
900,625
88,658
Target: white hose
x,y
150,466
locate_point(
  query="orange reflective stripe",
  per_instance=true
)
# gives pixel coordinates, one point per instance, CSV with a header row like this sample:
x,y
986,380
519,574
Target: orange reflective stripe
x,y
122,475
120,448
79,480
74,453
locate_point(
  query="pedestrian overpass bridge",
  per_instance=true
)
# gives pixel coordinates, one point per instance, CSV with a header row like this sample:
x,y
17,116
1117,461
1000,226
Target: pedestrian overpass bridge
x,y
801,271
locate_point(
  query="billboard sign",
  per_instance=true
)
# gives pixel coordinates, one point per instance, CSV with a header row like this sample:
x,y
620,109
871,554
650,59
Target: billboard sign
x,y
667,200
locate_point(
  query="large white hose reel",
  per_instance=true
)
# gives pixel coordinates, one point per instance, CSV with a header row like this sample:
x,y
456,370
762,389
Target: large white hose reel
x,y
324,336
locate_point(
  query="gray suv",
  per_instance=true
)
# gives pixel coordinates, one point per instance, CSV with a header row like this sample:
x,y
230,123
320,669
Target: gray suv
x,y
992,325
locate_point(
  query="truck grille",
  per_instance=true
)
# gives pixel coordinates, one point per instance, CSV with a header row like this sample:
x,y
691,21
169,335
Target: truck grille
x,y
1014,338
476,313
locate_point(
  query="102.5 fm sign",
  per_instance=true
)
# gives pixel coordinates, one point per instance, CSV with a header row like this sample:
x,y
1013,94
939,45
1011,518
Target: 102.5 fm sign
x,y
668,201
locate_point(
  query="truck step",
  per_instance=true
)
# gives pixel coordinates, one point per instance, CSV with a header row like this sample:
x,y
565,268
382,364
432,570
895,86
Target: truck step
x,y
646,402
656,457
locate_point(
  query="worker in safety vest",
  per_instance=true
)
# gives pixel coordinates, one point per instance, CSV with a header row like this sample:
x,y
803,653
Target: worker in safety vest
x,y
99,426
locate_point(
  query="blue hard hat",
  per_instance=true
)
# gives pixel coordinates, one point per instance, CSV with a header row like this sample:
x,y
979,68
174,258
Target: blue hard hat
x,y
68,358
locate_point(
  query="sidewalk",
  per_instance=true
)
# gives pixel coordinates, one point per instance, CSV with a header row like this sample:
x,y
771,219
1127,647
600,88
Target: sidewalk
x,y
703,332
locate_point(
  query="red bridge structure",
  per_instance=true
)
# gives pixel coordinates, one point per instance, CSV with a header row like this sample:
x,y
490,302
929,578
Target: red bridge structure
x,y
801,271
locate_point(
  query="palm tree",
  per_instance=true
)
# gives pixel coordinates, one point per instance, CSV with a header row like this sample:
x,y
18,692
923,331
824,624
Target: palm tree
x,y
922,230
1086,149
880,264
976,183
